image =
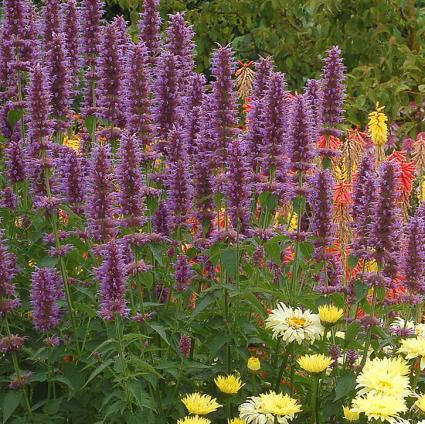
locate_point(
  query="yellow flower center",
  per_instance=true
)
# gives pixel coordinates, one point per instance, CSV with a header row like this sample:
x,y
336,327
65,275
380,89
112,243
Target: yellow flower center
x,y
297,322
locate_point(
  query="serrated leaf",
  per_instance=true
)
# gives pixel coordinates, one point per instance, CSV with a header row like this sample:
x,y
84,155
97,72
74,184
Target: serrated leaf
x,y
228,259
10,403
345,385
98,370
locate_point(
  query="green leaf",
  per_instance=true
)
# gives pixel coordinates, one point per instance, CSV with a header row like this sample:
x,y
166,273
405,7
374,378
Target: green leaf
x,y
13,116
90,124
353,260
10,403
360,290
98,370
160,330
345,385
273,250
228,259
306,249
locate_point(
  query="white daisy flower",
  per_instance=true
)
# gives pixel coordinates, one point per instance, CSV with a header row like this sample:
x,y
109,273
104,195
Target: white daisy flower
x,y
294,325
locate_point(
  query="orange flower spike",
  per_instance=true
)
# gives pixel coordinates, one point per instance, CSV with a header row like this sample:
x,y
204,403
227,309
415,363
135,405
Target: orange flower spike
x,y
342,194
407,173
330,142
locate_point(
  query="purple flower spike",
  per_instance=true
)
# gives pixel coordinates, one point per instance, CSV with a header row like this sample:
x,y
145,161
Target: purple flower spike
x,y
45,293
313,93
182,273
51,21
263,71
185,345
385,229
180,42
138,105
161,219
275,122
99,209
112,275
167,95
321,197
71,31
72,176
12,343
333,90
237,186
91,36
123,36
8,271
130,180
59,81
150,28
179,189
223,101
301,142
364,201
15,162
110,85
413,265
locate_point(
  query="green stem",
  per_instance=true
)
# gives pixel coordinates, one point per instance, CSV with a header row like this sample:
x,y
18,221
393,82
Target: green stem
x,y
369,332
124,369
282,368
229,408
315,401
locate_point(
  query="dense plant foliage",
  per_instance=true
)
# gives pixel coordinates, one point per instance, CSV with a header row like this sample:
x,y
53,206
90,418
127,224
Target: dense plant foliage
x,y
178,251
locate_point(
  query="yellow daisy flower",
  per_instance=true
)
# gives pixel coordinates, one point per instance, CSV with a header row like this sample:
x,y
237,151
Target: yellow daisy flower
x,y
414,348
315,364
236,421
253,364
420,403
229,384
350,415
200,404
279,404
330,314
380,407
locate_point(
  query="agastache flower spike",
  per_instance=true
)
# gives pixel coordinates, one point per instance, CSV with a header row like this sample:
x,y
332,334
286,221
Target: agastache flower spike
x,y
138,105
110,87
182,273
71,31
130,180
45,293
314,95
300,135
414,256
51,21
180,42
72,176
59,81
99,209
91,35
333,90
255,121
112,275
8,271
275,122
385,228
223,101
237,186
321,197
15,161
150,28
364,200
167,95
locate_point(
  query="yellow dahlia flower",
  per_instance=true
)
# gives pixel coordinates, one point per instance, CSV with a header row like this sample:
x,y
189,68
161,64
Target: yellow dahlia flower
x,y
229,384
350,415
279,404
253,363
381,407
377,126
420,403
387,376
199,404
236,421
330,314
414,348
315,364
194,419
294,325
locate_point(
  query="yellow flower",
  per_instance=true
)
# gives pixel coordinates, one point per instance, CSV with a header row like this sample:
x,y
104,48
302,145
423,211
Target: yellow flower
x,y
414,348
194,419
279,404
253,363
387,376
236,421
380,407
315,364
350,415
197,403
420,403
378,126
229,384
330,314
73,143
